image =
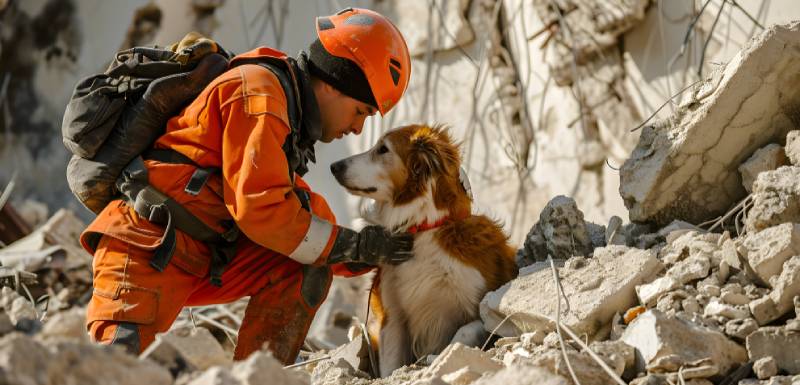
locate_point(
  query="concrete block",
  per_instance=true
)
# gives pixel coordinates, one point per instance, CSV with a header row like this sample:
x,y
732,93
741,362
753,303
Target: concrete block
x,y
765,368
776,199
766,158
655,335
690,269
603,287
649,293
776,342
767,250
780,301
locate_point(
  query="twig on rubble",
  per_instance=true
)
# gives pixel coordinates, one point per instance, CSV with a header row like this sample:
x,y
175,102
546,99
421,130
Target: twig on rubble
x,y
28,292
558,320
191,318
8,189
492,333
573,335
653,115
730,213
225,328
304,363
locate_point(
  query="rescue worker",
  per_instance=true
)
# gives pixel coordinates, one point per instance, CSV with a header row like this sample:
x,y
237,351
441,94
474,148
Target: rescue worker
x,y
233,159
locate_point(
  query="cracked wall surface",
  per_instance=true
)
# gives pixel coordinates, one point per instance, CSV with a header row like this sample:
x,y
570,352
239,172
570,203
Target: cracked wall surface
x,y
687,167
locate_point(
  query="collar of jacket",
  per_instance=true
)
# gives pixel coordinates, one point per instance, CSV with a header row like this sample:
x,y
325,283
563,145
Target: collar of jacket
x,y
312,129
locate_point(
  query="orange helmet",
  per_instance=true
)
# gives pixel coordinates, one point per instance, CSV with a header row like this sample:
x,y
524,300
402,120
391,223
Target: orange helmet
x,y
375,45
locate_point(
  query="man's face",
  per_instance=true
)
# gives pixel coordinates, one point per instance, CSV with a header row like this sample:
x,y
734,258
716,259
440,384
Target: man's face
x,y
340,114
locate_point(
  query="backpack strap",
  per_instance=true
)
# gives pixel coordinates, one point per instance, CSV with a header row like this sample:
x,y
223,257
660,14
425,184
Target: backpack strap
x,y
159,208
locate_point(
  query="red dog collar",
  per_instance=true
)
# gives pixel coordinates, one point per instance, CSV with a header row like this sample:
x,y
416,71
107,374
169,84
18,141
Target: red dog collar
x,y
424,226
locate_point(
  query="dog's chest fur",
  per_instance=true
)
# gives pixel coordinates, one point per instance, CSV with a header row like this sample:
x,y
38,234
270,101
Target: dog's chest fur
x,y
433,292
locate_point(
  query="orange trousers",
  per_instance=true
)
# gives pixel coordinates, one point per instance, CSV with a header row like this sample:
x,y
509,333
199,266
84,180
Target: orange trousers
x,y
132,301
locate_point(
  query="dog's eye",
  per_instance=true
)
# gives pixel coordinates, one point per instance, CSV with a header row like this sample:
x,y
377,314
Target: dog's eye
x,y
383,149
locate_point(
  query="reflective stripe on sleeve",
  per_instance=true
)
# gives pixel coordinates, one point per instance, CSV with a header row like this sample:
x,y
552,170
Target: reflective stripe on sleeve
x,y
314,242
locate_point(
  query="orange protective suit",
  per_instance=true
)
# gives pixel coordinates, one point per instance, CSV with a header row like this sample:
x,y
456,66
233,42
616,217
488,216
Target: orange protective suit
x,y
238,125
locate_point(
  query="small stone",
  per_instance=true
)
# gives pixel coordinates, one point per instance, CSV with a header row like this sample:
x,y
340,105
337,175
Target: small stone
x,y
740,328
734,298
767,250
690,305
690,269
766,158
781,300
457,356
650,293
504,341
792,149
535,338
765,368
261,368
717,308
710,290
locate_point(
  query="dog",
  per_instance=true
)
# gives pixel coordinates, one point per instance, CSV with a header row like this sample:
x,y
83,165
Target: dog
x,y
413,176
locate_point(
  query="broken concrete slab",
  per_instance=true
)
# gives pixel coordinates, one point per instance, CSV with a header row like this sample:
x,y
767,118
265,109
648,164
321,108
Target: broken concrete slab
x,y
792,148
457,356
685,167
766,158
185,350
598,290
262,368
776,342
765,367
656,335
523,375
776,199
768,249
780,301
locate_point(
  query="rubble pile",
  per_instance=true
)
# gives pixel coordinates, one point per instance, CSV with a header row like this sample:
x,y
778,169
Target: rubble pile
x,y
704,288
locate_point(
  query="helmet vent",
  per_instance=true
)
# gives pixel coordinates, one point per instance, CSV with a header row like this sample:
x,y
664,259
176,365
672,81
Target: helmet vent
x,y
395,75
396,63
324,23
360,19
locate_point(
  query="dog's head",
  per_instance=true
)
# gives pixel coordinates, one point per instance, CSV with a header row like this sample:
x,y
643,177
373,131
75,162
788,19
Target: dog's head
x,y
409,164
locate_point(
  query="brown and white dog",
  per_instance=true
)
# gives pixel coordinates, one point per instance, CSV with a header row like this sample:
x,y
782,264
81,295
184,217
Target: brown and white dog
x,y
412,174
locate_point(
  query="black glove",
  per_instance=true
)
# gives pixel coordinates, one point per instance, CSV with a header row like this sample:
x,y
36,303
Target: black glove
x,y
373,245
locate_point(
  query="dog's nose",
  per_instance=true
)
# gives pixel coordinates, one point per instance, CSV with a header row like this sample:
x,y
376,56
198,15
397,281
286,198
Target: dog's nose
x,y
337,167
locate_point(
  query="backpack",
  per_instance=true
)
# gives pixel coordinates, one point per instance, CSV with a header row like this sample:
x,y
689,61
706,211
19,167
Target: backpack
x,y
113,119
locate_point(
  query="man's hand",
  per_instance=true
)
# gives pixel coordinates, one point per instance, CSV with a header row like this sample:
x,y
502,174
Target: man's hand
x,y
373,245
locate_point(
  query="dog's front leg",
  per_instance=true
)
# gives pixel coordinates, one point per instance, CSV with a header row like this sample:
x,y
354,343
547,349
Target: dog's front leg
x,y
395,346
